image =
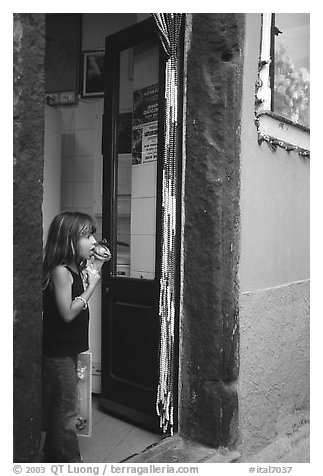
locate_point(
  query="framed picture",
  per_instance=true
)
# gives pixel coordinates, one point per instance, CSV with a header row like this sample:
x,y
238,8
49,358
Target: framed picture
x,y
93,72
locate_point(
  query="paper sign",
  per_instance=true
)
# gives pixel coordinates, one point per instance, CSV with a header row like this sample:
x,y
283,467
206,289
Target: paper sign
x,y
145,125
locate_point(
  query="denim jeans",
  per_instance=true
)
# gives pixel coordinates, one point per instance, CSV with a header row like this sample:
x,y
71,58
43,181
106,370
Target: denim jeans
x,y
59,409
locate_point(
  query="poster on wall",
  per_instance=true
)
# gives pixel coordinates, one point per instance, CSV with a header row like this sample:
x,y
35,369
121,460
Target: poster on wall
x,y
84,384
145,125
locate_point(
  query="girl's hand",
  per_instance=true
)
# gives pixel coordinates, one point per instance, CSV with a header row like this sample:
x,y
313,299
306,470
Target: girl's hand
x,y
93,279
94,264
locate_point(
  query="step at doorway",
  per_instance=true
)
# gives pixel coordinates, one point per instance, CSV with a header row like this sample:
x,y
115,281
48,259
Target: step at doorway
x,y
113,440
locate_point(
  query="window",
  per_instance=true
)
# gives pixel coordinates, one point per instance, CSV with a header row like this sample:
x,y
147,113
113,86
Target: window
x,y
290,66
283,84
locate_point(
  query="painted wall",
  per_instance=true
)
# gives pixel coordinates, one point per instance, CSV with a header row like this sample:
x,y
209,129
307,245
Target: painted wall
x,y
274,196
273,272
52,167
96,26
274,361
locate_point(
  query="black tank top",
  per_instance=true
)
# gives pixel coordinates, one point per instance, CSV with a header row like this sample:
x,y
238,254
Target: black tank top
x,y
61,338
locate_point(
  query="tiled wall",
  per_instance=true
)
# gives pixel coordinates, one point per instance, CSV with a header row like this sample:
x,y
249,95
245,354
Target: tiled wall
x,y
143,220
143,184
80,151
81,164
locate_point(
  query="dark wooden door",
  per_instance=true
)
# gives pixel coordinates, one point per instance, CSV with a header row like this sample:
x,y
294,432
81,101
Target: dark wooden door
x,y
132,148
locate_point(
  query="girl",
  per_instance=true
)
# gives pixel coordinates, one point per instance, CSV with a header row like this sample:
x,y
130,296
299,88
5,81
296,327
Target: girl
x,y
69,245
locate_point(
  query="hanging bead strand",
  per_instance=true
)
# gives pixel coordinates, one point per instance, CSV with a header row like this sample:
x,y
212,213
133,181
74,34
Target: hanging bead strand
x,y
169,27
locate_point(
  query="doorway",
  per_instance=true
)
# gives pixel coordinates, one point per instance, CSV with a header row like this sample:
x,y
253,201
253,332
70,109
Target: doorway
x,y
132,147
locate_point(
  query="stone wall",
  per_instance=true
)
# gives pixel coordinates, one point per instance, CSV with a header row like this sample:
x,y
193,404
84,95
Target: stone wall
x,y
209,365
29,37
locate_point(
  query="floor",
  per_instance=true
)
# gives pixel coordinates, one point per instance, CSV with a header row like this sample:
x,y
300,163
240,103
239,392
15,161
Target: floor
x,y
113,440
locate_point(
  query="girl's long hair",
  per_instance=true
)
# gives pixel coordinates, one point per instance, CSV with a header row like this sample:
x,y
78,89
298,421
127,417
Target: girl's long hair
x,y
61,246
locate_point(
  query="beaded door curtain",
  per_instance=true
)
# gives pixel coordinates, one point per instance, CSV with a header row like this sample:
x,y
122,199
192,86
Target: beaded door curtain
x,y
169,25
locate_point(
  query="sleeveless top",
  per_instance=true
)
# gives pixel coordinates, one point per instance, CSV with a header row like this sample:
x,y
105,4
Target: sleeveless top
x,y
62,338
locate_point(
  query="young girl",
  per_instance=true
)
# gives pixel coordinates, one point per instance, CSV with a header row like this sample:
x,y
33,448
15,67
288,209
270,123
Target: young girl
x,y
70,244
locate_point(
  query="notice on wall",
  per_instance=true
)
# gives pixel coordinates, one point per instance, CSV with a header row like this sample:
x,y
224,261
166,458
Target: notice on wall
x,y
145,125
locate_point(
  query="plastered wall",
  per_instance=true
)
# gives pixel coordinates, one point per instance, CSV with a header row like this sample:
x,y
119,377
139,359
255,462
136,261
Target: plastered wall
x,y
274,361
273,272
275,192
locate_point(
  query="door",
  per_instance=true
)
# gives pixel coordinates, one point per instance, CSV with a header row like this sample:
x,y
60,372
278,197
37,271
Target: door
x,y
132,144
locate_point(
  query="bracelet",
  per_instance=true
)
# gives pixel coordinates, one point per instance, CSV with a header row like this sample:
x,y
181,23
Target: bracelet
x,y
80,298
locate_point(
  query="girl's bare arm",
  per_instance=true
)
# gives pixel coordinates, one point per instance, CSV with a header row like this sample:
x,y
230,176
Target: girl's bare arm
x,y
62,284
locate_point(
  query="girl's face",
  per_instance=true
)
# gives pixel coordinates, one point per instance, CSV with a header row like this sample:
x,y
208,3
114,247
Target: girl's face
x,y
85,246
